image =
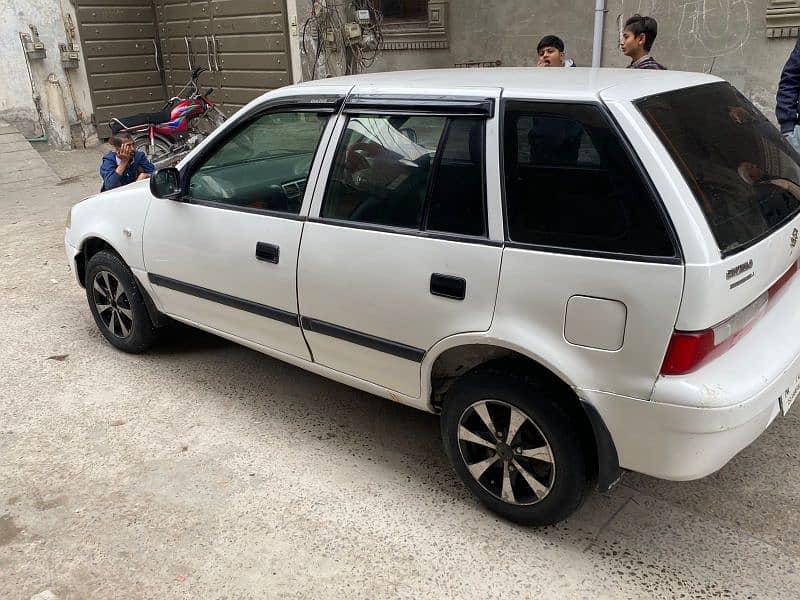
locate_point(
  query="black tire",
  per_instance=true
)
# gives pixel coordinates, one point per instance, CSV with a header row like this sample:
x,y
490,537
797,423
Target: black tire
x,y
162,151
548,422
121,315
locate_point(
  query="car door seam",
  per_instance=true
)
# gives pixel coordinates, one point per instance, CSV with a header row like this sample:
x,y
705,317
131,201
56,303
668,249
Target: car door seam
x,y
313,190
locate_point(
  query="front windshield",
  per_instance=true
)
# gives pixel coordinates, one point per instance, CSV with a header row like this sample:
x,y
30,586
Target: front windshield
x,y
744,175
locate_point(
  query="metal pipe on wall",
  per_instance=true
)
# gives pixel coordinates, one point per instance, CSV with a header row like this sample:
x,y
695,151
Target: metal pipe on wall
x,y
37,100
599,22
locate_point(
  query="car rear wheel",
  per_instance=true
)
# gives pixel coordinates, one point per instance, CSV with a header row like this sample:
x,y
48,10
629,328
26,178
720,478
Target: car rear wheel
x,y
117,304
515,447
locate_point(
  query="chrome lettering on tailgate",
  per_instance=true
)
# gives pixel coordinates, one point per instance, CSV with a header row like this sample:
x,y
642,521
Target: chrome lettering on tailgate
x,y
787,398
738,270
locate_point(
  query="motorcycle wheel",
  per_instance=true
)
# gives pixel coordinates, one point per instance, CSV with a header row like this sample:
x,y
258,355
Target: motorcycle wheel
x,y
210,121
160,157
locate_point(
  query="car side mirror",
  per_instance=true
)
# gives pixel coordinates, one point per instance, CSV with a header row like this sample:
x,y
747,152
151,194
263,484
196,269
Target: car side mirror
x,y
166,183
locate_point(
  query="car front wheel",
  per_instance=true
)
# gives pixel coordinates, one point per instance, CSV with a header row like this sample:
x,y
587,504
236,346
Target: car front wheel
x,y
515,447
117,304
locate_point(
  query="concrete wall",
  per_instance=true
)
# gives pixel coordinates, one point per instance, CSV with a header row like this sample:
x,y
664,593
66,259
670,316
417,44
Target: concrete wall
x,y
67,124
726,37
509,31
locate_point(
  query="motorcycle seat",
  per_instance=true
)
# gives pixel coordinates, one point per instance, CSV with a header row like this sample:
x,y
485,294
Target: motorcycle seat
x,y
117,124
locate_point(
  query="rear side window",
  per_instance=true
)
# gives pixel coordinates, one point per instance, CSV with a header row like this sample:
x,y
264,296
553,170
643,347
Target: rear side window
x,y
410,172
743,174
571,184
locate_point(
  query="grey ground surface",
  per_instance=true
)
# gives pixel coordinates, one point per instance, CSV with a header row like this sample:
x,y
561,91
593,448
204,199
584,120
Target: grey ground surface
x,y
206,470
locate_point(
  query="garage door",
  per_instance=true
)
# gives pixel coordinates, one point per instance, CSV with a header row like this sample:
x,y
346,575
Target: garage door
x,y
242,43
120,45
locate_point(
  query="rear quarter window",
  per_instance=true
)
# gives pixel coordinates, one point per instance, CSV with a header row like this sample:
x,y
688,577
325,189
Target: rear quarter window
x,y
742,173
570,184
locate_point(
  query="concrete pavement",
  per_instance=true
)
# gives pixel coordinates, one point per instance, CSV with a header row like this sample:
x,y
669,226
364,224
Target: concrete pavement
x,y
20,164
206,470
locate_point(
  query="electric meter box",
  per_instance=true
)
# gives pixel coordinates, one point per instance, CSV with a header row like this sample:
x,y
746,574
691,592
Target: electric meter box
x,y
70,59
352,32
362,16
34,49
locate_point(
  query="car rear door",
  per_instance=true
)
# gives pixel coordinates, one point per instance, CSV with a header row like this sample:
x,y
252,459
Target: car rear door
x,y
225,256
399,250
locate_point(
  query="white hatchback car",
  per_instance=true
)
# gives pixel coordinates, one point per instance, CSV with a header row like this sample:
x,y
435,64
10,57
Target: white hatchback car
x,y
581,271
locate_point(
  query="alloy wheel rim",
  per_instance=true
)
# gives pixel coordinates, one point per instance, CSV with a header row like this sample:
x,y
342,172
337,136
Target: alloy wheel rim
x,y
506,453
112,304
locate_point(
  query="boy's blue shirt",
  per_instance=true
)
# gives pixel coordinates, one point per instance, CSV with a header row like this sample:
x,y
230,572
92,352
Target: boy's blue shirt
x,y
108,169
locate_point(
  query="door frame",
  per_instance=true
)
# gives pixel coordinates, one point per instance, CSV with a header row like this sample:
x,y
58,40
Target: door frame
x,y
470,102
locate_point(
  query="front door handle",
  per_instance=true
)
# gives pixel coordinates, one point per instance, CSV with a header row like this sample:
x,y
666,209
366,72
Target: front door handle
x,y
268,252
448,286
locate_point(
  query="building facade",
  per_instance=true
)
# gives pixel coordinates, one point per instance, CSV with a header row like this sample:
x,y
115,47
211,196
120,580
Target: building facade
x,y
103,58
744,41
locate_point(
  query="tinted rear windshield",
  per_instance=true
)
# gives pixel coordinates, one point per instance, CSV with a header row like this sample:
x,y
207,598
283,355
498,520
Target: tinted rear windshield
x,y
744,175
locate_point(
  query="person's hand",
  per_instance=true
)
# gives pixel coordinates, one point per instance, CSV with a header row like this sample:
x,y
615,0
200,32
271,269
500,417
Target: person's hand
x,y
542,62
125,153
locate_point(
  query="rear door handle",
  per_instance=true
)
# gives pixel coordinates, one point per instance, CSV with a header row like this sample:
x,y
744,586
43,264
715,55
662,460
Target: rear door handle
x,y
268,252
448,286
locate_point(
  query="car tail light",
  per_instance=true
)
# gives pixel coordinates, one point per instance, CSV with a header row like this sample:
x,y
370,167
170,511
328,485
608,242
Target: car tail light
x,y
687,350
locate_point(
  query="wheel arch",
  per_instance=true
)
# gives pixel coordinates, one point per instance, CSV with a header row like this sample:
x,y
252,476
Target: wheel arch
x,y
453,358
93,244
456,355
90,246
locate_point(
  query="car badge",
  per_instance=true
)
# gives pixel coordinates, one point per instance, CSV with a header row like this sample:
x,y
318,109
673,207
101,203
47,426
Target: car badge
x,y
738,270
793,239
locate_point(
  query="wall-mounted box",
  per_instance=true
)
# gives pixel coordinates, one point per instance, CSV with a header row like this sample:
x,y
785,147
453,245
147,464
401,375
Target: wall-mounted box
x,y
70,58
33,47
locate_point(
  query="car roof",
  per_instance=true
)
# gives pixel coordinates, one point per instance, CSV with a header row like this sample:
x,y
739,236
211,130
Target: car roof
x,y
524,82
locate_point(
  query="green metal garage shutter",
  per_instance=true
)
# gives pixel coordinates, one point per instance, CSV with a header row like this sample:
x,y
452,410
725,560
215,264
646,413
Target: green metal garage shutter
x,y
120,47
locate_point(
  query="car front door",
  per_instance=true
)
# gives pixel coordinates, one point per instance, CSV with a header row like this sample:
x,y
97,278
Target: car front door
x,y
399,251
225,256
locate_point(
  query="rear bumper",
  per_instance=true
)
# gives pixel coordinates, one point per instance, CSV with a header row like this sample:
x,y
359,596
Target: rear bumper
x,y
681,442
694,424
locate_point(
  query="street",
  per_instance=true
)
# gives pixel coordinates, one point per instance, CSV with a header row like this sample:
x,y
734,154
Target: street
x,y
206,470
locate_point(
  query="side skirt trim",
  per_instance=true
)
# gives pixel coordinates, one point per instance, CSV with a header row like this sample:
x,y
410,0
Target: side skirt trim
x,y
364,339
262,310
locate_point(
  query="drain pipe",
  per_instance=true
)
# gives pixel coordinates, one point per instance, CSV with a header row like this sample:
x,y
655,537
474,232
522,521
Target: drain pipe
x,y
599,22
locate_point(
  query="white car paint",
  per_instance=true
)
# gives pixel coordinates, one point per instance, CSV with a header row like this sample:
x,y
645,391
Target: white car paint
x,y
678,427
370,281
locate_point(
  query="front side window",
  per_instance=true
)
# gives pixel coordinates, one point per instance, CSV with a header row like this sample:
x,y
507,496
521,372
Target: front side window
x,y
570,184
411,172
262,165
744,176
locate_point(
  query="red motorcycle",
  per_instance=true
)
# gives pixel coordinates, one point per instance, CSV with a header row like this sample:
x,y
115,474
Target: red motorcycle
x,y
170,134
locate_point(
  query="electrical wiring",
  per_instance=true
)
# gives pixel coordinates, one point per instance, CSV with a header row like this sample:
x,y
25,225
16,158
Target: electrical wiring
x,y
326,44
